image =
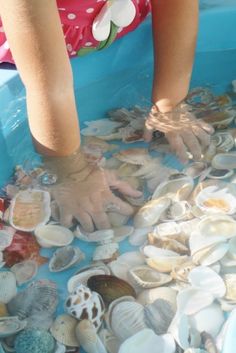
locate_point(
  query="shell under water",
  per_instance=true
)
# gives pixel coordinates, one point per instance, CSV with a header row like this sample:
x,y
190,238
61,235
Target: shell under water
x,y
146,277
65,257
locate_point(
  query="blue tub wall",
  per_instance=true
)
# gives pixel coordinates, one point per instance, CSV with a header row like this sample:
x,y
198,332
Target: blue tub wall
x,y
119,76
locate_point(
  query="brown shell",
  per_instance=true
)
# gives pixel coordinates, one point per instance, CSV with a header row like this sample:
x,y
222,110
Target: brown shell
x,y
110,287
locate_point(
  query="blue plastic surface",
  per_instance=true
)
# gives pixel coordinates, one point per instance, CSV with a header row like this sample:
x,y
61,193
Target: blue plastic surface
x,y
120,76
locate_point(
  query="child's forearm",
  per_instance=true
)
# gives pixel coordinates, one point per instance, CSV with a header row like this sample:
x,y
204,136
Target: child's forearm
x,y
175,25
35,36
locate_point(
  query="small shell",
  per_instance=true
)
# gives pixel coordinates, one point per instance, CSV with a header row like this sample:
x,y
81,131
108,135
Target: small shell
x,y
65,258
219,173
97,236
110,287
181,272
148,296
125,262
169,243
179,210
177,189
8,287
137,156
195,169
218,225
101,127
63,330
109,340
88,338
24,271
167,229
159,315
106,252
151,212
6,237
211,254
53,235
29,209
11,325
145,277
224,161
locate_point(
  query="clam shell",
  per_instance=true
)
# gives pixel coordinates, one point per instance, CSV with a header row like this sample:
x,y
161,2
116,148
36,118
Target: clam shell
x,y
100,127
29,209
32,341
151,212
165,263
88,338
8,287
195,169
63,330
147,341
139,236
110,287
224,161
148,296
169,243
10,326
230,284
125,262
218,225
106,253
24,271
219,173
53,235
177,189
210,255
97,236
65,258
145,277
179,210
159,315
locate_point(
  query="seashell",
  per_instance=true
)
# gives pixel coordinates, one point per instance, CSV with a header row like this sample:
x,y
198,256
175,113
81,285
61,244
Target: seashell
x,y
106,253
60,348
232,248
180,210
148,296
151,212
192,300
159,315
53,235
169,243
224,161
117,219
219,173
125,262
8,287
84,304
97,144
145,277
167,229
65,258
6,237
139,236
219,119
195,350
147,341
179,329
230,284
120,233
125,318
137,156
29,209
218,225
200,321
212,199
109,340
182,271
177,189
39,296
34,341
110,287
195,169
97,236
88,338
225,141
154,251
205,278
208,342
10,326
101,127
211,254
25,271
63,330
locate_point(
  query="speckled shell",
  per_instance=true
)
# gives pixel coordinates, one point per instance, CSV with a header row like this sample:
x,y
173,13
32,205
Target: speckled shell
x,y
8,287
65,258
85,304
110,287
63,330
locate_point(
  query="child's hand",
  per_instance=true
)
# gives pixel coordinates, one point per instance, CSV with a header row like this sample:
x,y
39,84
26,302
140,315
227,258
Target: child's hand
x,y
84,193
183,131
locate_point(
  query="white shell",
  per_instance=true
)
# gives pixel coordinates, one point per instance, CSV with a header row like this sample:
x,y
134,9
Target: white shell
x,y
167,229
11,325
151,212
63,330
6,237
65,257
8,287
145,277
53,235
106,252
224,161
230,283
109,340
88,338
153,251
225,141
120,233
97,236
125,262
139,236
218,225
159,316
24,271
210,255
148,296
147,341
100,127
177,189
29,209
192,300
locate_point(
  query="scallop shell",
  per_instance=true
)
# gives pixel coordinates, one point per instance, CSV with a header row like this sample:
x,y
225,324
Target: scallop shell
x,y
63,330
145,277
83,303
65,258
195,169
147,341
224,161
159,315
29,209
8,287
177,189
88,338
106,253
24,271
110,287
151,212
126,318
53,235
11,325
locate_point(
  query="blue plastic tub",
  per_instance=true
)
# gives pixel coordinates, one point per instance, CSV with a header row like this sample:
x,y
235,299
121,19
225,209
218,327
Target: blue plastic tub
x,y
120,76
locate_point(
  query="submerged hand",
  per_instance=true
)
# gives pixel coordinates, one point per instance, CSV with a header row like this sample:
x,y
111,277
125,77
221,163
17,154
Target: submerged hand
x,y
183,131
84,193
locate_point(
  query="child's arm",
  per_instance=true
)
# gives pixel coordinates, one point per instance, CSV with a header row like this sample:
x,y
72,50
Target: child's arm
x,y
35,36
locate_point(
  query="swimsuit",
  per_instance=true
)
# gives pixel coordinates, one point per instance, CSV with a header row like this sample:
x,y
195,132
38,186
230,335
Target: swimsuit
x,y
90,25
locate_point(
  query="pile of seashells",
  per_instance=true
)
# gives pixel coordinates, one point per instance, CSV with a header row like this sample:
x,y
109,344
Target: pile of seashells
x,y
174,291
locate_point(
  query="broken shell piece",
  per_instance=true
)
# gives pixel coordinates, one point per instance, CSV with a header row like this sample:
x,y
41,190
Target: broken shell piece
x,y
159,315
219,173
65,258
53,235
24,271
224,161
8,287
88,338
145,277
11,325
63,330
195,169
151,212
106,253
29,209
100,127
110,287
